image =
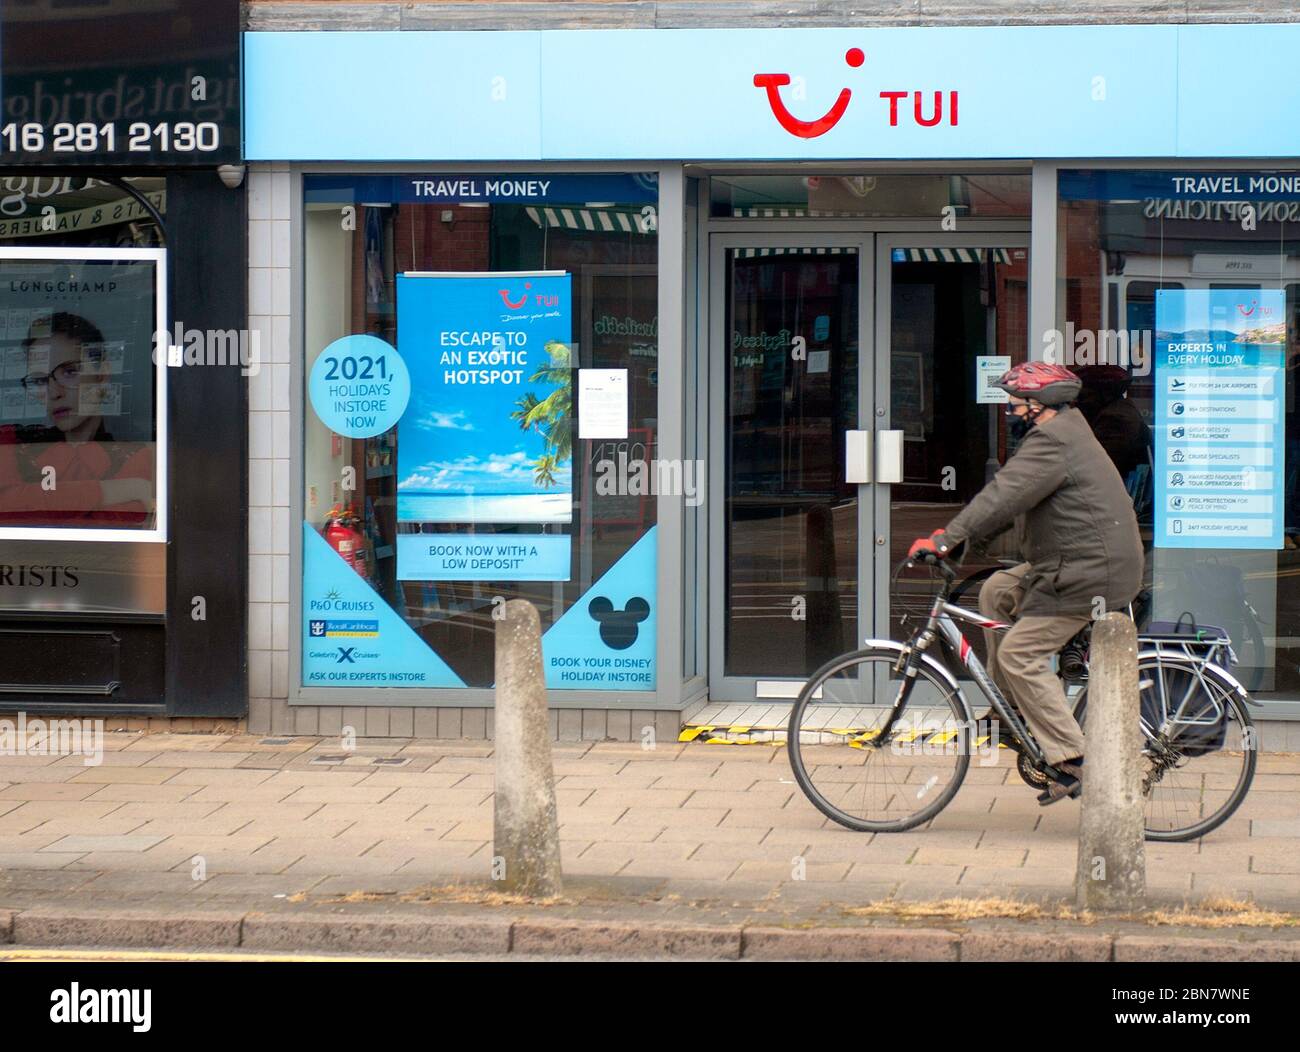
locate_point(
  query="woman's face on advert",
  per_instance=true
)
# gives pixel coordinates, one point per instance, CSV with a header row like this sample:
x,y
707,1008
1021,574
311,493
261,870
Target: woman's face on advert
x,y
56,363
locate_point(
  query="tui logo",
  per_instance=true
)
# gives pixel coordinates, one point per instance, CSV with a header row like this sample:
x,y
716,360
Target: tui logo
x,y
618,628
772,83
505,296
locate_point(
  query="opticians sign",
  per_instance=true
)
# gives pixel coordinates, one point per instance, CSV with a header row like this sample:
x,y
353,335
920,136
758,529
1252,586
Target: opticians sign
x,y
1219,389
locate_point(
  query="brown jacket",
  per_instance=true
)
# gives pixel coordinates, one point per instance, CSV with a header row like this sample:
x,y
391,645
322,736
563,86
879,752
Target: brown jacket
x,y
1074,520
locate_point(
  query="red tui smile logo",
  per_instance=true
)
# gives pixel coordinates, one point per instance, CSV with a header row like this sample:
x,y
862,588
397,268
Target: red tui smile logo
x,y
774,82
505,296
940,104
1246,312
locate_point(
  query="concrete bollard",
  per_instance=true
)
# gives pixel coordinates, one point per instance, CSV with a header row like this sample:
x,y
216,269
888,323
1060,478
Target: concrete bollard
x,y
1112,861
525,833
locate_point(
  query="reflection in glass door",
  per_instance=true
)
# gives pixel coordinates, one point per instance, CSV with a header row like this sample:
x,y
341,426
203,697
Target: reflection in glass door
x,y
789,520
945,305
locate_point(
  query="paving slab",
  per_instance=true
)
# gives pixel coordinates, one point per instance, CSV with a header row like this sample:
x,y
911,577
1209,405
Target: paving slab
x,y
687,819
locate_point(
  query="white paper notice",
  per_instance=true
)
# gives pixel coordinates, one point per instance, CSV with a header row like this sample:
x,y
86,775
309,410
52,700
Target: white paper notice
x,y
988,367
602,403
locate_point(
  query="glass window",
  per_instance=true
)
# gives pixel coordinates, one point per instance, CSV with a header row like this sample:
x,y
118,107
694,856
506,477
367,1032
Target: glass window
x,y
522,464
80,434
981,196
1178,288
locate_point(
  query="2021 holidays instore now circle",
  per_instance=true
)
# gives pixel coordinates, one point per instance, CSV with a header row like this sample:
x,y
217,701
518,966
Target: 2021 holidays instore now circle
x,y
359,386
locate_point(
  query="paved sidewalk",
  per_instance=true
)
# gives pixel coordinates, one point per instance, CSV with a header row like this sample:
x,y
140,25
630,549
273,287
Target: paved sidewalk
x,y
209,820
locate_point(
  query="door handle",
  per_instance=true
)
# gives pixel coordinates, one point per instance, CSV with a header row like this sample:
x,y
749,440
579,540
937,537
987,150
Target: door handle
x,y
889,456
857,457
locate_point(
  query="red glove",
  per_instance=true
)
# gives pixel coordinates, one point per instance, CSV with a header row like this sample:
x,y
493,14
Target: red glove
x,y
933,545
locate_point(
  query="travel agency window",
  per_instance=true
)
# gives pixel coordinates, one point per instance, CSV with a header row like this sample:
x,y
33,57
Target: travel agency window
x,y
481,390
82,420
1178,301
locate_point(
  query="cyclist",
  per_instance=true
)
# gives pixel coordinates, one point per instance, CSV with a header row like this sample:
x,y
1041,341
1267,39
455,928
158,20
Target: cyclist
x,y
1079,538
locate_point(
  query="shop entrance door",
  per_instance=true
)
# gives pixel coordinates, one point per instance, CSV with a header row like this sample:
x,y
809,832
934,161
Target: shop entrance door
x,y
790,316
849,425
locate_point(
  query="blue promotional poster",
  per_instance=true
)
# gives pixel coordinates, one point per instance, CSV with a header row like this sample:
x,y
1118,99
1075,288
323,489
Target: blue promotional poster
x,y
351,637
488,435
606,640
1219,444
484,434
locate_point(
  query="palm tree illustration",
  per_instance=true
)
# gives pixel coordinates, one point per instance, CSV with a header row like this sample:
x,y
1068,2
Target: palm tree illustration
x,y
552,416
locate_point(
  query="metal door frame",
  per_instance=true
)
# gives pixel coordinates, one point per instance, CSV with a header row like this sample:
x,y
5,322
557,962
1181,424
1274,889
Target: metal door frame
x,y
878,620
745,688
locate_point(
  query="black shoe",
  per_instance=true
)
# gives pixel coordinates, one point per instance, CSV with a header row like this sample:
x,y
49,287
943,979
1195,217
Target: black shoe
x,y
1069,784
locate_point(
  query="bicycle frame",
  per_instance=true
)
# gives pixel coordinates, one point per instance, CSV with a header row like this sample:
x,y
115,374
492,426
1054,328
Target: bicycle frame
x,y
941,625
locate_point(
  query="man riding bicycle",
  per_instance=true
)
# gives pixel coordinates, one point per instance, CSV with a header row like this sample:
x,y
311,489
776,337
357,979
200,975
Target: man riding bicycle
x,y
1076,531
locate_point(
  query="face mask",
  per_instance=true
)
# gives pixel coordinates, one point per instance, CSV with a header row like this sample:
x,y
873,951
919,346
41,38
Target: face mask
x,y
1018,427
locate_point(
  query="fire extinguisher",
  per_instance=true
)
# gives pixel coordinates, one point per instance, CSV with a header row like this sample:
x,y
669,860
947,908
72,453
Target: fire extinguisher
x,y
343,534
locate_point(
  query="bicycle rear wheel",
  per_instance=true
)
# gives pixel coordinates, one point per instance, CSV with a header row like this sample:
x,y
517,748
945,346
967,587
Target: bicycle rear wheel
x,y
852,773
1198,747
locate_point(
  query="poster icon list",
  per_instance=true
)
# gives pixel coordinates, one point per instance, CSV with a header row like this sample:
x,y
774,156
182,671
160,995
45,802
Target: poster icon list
x,y
1219,442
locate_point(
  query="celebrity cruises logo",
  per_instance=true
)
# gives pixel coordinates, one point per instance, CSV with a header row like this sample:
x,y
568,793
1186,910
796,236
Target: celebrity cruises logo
x,y
772,83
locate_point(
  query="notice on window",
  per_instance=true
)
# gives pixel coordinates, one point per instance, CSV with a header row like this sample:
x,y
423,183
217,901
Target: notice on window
x,y
988,367
1219,446
602,403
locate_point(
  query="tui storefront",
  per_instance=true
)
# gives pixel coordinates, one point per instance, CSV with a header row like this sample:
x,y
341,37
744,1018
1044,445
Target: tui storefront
x,y
688,359
124,349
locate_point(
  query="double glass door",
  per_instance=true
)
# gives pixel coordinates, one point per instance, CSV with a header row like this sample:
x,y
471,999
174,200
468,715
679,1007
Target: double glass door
x,y
851,421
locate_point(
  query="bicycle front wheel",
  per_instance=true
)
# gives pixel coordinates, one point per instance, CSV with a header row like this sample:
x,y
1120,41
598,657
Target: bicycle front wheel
x,y
1198,747
860,777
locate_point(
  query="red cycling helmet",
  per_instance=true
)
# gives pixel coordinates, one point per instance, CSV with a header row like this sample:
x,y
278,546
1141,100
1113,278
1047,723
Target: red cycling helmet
x,y
1042,381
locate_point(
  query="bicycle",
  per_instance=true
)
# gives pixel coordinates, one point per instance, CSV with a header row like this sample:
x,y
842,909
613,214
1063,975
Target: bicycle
x,y
912,760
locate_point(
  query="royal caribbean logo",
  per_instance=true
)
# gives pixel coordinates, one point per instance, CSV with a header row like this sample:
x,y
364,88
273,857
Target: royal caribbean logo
x,y
343,629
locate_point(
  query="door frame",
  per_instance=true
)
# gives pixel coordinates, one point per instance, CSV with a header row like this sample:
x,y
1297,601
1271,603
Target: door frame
x,y
745,688
877,620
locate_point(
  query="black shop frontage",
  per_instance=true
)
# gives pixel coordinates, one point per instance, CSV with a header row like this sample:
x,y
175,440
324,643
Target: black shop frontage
x,y
124,356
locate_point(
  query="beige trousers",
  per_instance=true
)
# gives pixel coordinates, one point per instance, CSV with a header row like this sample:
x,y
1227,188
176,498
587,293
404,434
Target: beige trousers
x,y
1020,662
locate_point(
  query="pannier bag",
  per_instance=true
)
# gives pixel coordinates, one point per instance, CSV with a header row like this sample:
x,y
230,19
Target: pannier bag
x,y
1203,724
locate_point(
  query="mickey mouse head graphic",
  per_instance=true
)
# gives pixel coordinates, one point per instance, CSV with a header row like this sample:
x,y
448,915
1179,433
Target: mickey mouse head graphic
x,y
618,628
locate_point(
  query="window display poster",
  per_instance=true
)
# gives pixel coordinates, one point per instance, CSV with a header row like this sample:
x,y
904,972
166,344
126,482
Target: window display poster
x,y
78,407
488,434
350,636
1219,447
